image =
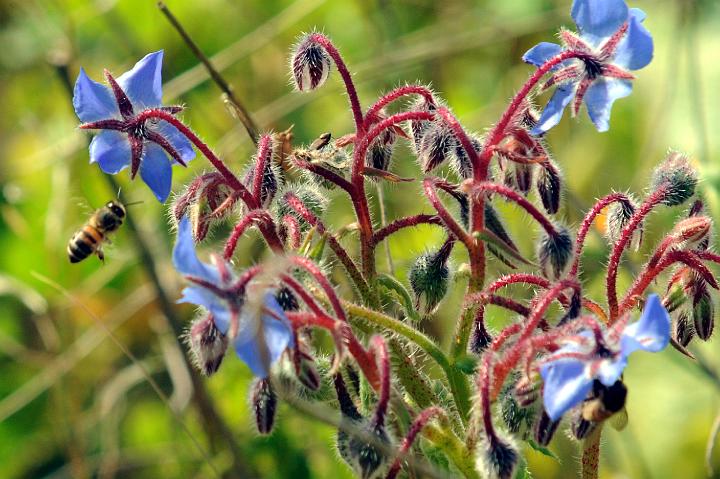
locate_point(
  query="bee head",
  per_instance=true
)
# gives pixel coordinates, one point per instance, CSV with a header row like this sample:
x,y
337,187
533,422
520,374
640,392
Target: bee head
x,y
117,208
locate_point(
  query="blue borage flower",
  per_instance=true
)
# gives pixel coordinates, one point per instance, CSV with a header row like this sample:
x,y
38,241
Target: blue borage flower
x,y
148,146
258,330
612,41
568,374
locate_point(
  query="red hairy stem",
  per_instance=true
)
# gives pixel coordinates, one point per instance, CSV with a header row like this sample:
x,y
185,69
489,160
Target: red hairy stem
x,y
320,278
498,132
509,304
587,223
264,154
505,334
407,222
306,298
266,226
445,216
228,203
689,258
363,358
415,429
189,195
298,206
326,174
247,276
383,362
359,199
483,382
219,165
520,200
300,319
327,44
395,95
293,231
625,236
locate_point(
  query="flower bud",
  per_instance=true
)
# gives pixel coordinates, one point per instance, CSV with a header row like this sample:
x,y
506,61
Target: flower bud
x,y
436,146
703,313
693,232
264,403
526,391
461,162
554,253
310,64
207,344
480,338
429,277
618,215
516,416
545,429
419,127
549,186
498,459
309,194
270,183
524,177
678,176
683,329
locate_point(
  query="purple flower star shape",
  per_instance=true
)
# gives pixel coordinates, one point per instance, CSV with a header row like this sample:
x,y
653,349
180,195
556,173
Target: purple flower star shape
x,y
149,146
568,373
255,324
611,43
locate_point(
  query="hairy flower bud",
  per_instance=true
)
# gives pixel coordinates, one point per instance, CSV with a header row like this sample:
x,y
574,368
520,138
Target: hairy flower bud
x,y
207,344
429,277
549,186
309,194
554,253
461,162
703,313
419,127
693,232
618,215
683,329
379,155
310,64
264,404
517,417
271,180
497,459
480,338
436,146
678,176
523,177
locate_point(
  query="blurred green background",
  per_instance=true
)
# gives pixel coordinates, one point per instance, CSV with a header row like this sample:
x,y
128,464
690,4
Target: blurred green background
x,y
72,405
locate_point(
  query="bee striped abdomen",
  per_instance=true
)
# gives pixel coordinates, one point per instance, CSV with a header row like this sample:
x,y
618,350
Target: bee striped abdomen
x,y
84,243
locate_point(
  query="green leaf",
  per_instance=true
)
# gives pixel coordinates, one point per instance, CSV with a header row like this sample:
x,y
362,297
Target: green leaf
x,y
542,450
466,364
502,246
403,296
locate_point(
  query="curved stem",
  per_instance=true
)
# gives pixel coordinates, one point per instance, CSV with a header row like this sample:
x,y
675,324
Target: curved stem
x,y
345,74
407,222
266,225
445,216
587,223
625,236
396,94
415,428
231,179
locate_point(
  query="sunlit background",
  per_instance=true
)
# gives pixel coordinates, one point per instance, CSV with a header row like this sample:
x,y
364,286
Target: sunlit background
x,y
73,405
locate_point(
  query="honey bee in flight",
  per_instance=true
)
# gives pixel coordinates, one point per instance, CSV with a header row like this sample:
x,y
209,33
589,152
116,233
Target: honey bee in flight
x,y
90,238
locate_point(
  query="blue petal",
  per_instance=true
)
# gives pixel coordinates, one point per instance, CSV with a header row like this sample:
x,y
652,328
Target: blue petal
x,y
598,19
156,171
600,97
92,100
651,332
143,84
185,259
276,337
541,53
565,384
205,298
179,141
111,150
635,50
553,111
611,369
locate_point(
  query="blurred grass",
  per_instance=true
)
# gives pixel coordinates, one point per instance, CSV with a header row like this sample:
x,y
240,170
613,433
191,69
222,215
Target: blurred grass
x,y
89,417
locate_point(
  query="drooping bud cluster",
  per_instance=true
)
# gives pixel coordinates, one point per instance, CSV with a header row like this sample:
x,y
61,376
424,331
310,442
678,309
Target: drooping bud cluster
x,y
208,199
618,215
264,404
310,64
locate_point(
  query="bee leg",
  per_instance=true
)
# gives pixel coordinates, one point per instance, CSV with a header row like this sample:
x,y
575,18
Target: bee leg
x,y
100,255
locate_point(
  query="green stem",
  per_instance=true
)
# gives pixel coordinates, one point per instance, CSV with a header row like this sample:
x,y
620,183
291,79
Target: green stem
x,y
456,379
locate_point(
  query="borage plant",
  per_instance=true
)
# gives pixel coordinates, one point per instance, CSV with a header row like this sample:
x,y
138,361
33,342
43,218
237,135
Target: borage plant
x,y
396,405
